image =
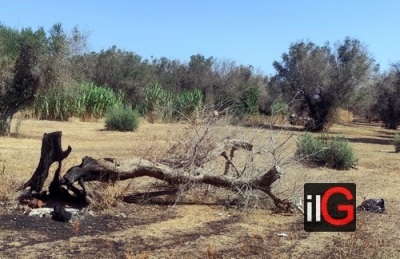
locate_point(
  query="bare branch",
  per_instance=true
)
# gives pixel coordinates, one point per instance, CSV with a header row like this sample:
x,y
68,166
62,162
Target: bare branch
x,y
104,171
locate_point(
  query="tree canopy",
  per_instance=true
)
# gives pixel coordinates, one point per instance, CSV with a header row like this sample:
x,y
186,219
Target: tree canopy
x,y
310,79
319,79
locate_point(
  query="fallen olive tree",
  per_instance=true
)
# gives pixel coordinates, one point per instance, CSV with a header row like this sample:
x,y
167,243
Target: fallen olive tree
x,y
106,170
177,169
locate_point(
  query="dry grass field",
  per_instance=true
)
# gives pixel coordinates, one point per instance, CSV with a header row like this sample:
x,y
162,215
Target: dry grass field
x,y
199,226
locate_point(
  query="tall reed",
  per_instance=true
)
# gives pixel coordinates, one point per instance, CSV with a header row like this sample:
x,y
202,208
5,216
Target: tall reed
x,y
83,100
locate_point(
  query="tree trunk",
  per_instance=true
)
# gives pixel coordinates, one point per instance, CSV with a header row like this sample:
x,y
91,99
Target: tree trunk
x,y
5,122
51,152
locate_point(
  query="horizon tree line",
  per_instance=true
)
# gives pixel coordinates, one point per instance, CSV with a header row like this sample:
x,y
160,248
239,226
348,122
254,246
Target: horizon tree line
x,y
309,79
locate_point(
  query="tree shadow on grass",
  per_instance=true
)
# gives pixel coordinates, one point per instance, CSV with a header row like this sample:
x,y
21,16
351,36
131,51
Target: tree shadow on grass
x,y
371,141
388,134
365,122
274,127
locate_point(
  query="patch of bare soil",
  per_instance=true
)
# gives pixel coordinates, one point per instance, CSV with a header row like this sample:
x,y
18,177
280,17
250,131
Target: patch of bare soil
x,y
24,236
147,230
199,226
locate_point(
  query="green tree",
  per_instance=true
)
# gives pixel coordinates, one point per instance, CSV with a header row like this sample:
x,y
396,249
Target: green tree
x,y
57,72
122,70
200,75
388,101
250,100
323,79
235,83
18,92
170,74
362,103
57,41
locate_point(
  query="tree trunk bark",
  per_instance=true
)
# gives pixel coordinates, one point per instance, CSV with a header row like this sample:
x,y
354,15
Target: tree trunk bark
x,y
51,152
5,122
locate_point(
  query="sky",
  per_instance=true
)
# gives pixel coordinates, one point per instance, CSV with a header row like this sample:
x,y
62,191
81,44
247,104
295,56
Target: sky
x,y
251,32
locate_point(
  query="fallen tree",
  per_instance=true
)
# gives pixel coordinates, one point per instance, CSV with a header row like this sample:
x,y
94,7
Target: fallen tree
x,y
177,171
106,170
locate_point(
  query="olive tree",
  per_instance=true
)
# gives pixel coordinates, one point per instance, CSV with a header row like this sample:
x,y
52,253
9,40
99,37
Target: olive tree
x,y
21,54
388,97
323,78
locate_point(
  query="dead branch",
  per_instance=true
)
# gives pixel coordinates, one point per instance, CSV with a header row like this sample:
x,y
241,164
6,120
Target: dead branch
x,y
105,170
179,161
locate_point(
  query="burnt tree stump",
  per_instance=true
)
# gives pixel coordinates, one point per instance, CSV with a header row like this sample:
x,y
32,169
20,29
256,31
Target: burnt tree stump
x,y
51,152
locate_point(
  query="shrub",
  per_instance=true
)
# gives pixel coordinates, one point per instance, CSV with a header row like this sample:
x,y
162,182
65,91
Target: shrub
x,y
340,154
122,118
249,101
333,152
396,143
280,108
310,149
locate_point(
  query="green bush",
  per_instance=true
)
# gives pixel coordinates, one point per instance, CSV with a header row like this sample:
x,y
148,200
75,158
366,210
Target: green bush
x,y
340,154
396,143
280,108
310,149
122,118
333,152
249,101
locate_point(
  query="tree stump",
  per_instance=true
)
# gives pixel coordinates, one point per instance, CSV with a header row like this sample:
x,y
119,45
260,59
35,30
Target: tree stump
x,y
51,152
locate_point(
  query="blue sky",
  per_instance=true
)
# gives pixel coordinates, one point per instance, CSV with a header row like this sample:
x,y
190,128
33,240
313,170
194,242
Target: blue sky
x,y
251,32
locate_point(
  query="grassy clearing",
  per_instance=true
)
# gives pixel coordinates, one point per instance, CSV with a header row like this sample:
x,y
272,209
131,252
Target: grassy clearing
x,y
200,227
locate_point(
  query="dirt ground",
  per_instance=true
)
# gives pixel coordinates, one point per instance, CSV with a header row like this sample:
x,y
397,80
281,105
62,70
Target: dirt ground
x,y
198,227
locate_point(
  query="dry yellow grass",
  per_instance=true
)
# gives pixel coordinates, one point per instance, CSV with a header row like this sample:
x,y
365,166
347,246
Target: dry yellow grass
x,y
344,116
207,231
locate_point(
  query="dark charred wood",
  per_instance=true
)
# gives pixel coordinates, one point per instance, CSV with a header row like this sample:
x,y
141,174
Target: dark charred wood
x,y
60,214
82,173
51,152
